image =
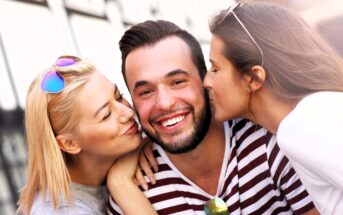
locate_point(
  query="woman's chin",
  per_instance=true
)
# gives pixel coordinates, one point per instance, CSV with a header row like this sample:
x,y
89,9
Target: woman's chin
x,y
218,118
222,117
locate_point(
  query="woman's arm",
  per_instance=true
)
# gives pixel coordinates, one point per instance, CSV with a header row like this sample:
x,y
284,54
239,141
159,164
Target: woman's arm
x,y
123,189
147,162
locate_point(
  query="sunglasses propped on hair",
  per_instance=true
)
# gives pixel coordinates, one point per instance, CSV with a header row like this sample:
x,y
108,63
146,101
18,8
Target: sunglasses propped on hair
x,y
230,10
53,81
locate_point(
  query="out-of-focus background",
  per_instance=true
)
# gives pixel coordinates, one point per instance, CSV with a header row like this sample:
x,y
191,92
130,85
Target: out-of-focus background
x,y
33,33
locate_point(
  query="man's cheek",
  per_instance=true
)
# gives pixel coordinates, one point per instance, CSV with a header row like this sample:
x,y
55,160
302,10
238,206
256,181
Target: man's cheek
x,y
142,112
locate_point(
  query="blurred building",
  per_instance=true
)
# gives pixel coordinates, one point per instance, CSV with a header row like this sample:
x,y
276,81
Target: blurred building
x,y
33,33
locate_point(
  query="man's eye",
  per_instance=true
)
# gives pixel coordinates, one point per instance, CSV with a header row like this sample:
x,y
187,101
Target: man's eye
x,y
144,92
176,82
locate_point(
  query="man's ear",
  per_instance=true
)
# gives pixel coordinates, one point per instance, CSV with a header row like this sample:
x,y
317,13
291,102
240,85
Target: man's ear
x,y
68,144
255,78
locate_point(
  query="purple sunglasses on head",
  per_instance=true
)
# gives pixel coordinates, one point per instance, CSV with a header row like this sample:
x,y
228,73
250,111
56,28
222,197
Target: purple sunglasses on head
x,y
53,81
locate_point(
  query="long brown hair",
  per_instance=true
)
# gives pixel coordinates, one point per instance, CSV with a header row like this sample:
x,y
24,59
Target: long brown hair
x,y
297,60
47,115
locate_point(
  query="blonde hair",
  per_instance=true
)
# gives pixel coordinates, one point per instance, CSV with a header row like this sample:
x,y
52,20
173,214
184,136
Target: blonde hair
x,y
47,115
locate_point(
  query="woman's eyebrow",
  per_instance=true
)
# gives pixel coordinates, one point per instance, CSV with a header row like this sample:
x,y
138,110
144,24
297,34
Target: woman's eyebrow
x,y
107,103
213,62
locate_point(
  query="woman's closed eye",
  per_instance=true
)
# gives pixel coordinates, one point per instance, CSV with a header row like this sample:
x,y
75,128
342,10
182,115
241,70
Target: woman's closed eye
x,y
119,97
213,69
107,115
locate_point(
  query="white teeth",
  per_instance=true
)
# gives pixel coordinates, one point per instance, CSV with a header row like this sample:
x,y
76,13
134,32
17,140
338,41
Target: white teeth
x,y
172,121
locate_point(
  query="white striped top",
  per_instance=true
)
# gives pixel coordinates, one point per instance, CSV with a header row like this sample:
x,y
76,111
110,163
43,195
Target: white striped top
x,y
256,178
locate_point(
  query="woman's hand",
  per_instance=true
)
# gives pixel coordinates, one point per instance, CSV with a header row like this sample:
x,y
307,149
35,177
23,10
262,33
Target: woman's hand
x,y
147,162
120,183
123,169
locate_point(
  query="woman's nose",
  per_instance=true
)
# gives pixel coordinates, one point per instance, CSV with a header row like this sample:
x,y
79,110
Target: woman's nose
x,y
208,81
125,112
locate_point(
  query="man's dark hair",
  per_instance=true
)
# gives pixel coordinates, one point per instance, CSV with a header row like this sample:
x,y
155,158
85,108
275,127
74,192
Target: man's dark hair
x,y
150,32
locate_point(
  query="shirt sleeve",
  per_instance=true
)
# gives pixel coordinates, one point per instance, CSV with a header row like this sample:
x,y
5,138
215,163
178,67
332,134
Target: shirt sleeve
x,y
311,136
286,179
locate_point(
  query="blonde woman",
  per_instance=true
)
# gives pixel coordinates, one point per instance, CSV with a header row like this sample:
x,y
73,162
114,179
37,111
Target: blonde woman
x,y
269,66
77,125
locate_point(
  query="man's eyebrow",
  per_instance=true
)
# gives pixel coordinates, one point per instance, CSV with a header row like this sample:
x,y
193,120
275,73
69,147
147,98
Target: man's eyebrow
x,y
176,72
139,84
107,103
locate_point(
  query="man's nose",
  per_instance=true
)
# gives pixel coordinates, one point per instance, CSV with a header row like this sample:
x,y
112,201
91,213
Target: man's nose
x,y
165,99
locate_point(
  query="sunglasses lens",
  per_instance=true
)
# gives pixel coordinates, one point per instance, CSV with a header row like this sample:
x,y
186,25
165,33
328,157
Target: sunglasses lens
x,y
65,62
216,207
52,82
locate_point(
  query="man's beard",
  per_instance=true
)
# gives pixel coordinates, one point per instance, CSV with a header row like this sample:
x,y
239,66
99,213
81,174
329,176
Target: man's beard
x,y
191,141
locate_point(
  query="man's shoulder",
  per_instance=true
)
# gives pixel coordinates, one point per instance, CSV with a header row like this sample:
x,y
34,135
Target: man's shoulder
x,y
244,127
241,125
